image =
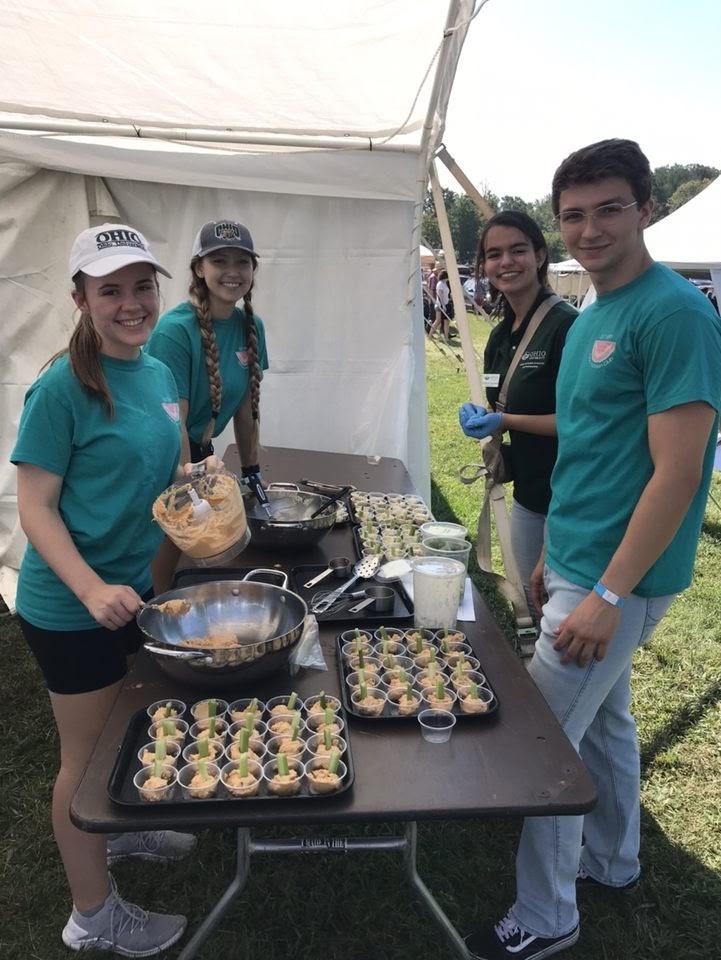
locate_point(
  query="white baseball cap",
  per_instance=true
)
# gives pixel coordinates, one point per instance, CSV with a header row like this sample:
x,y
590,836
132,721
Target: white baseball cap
x,y
101,250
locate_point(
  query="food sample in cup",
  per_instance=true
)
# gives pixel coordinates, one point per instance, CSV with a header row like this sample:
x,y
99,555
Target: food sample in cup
x,y
370,665
210,729
396,682
155,782
430,676
168,729
475,699
321,745
240,709
408,702
166,751
242,777
163,709
280,725
461,681
465,664
289,704
203,750
203,534
291,743
425,657
357,677
284,775
395,666
439,697
368,701
325,774
204,709
320,703
328,721
200,780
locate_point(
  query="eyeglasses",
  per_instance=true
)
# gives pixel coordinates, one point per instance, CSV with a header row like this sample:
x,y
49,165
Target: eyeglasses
x,y
606,213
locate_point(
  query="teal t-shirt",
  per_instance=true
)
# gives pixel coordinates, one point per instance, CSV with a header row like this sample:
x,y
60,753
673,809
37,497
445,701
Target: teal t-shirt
x,y
112,470
177,342
651,345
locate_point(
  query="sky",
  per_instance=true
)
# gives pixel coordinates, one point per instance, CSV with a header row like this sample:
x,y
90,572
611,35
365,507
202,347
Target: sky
x,y
539,78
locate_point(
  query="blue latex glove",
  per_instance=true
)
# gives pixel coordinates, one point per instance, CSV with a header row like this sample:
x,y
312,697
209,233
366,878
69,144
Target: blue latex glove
x,y
477,422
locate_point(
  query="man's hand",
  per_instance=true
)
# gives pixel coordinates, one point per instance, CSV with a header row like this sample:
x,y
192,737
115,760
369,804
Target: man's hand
x,y
112,604
537,586
586,633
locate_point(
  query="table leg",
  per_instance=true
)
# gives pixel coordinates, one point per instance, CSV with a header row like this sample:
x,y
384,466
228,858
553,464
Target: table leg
x,y
429,901
242,869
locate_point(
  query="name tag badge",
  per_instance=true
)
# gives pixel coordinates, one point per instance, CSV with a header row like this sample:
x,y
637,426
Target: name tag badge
x,y
491,379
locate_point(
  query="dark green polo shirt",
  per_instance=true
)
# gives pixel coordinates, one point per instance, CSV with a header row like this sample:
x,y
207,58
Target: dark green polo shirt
x,y
532,391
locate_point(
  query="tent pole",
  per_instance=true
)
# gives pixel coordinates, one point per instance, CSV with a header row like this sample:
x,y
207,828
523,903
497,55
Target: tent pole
x,y
483,206
469,357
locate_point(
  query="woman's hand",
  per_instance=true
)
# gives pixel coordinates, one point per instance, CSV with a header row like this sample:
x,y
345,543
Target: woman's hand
x,y
212,464
112,604
477,422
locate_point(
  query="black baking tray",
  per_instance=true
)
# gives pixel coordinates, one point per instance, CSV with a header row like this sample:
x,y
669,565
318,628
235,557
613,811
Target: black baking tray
x,y
388,715
122,791
402,604
356,519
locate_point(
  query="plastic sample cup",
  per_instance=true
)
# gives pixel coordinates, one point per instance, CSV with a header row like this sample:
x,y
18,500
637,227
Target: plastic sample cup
x,y
436,725
156,711
146,754
238,787
152,789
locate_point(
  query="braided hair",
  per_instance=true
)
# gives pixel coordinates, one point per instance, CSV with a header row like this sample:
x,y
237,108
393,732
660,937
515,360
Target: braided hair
x,y
199,296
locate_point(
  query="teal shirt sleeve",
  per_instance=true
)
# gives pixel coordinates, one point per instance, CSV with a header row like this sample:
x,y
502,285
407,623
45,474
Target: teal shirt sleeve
x,y
45,433
176,356
681,361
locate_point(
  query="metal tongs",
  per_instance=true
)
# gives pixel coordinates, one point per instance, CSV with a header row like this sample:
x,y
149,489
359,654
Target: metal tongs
x,y
363,570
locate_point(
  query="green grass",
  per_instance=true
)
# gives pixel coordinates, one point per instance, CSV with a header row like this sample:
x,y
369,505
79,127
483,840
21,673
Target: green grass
x,y
316,907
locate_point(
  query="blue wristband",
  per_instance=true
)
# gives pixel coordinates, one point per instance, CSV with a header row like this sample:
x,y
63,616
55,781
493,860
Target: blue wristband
x,y
608,595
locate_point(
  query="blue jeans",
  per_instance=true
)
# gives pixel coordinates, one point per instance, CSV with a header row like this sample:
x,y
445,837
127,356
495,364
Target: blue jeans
x,y
527,532
592,704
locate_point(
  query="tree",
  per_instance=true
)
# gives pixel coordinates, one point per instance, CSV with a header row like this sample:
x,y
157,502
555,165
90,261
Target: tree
x,y
686,192
667,180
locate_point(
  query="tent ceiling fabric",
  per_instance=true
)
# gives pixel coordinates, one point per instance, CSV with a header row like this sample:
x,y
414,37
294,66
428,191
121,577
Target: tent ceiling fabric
x,y
316,68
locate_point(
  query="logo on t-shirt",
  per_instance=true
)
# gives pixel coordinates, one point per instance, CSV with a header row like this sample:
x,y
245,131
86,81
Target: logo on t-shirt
x,y
242,356
173,411
602,351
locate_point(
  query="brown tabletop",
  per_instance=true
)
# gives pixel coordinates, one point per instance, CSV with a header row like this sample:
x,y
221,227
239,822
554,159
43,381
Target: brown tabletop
x,y
518,763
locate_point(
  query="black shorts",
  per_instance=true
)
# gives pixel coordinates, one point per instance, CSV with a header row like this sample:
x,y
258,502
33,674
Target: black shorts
x,y
81,661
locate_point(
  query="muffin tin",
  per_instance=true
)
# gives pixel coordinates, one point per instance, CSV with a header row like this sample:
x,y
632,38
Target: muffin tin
x,y
415,666
388,524
122,787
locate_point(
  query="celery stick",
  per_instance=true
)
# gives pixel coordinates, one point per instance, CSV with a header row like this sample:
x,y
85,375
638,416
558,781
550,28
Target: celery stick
x,y
211,726
203,769
362,691
473,691
168,728
384,634
212,708
295,725
203,749
361,660
432,669
328,716
385,646
249,722
361,676
160,751
334,761
440,693
409,691
327,739
157,768
253,705
243,765
445,646
291,700
283,769
244,740
323,700
168,710
419,644
432,656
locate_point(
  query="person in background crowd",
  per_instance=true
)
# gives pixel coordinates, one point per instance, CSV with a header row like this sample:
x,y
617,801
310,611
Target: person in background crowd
x,y
637,403
444,307
513,258
99,439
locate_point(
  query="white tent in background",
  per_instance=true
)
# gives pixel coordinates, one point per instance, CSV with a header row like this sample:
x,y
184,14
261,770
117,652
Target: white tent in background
x,y
313,123
428,257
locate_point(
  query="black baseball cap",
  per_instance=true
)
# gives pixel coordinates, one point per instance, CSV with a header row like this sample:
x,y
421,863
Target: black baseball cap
x,y
222,233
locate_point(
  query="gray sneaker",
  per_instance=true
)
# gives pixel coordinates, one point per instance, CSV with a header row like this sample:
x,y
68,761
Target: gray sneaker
x,y
123,928
159,846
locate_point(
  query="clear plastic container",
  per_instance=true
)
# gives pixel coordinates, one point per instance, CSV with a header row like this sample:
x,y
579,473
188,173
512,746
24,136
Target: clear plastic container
x,y
201,709
442,528
157,710
447,547
436,725
284,786
216,751
319,778
207,537
437,589
146,754
242,787
152,788
203,788
177,730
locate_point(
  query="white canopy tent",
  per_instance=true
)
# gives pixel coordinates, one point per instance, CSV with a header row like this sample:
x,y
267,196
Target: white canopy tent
x,y
313,123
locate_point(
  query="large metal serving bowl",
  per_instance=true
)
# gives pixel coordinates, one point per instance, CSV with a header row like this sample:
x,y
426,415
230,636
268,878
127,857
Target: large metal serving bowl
x,y
266,619
289,528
